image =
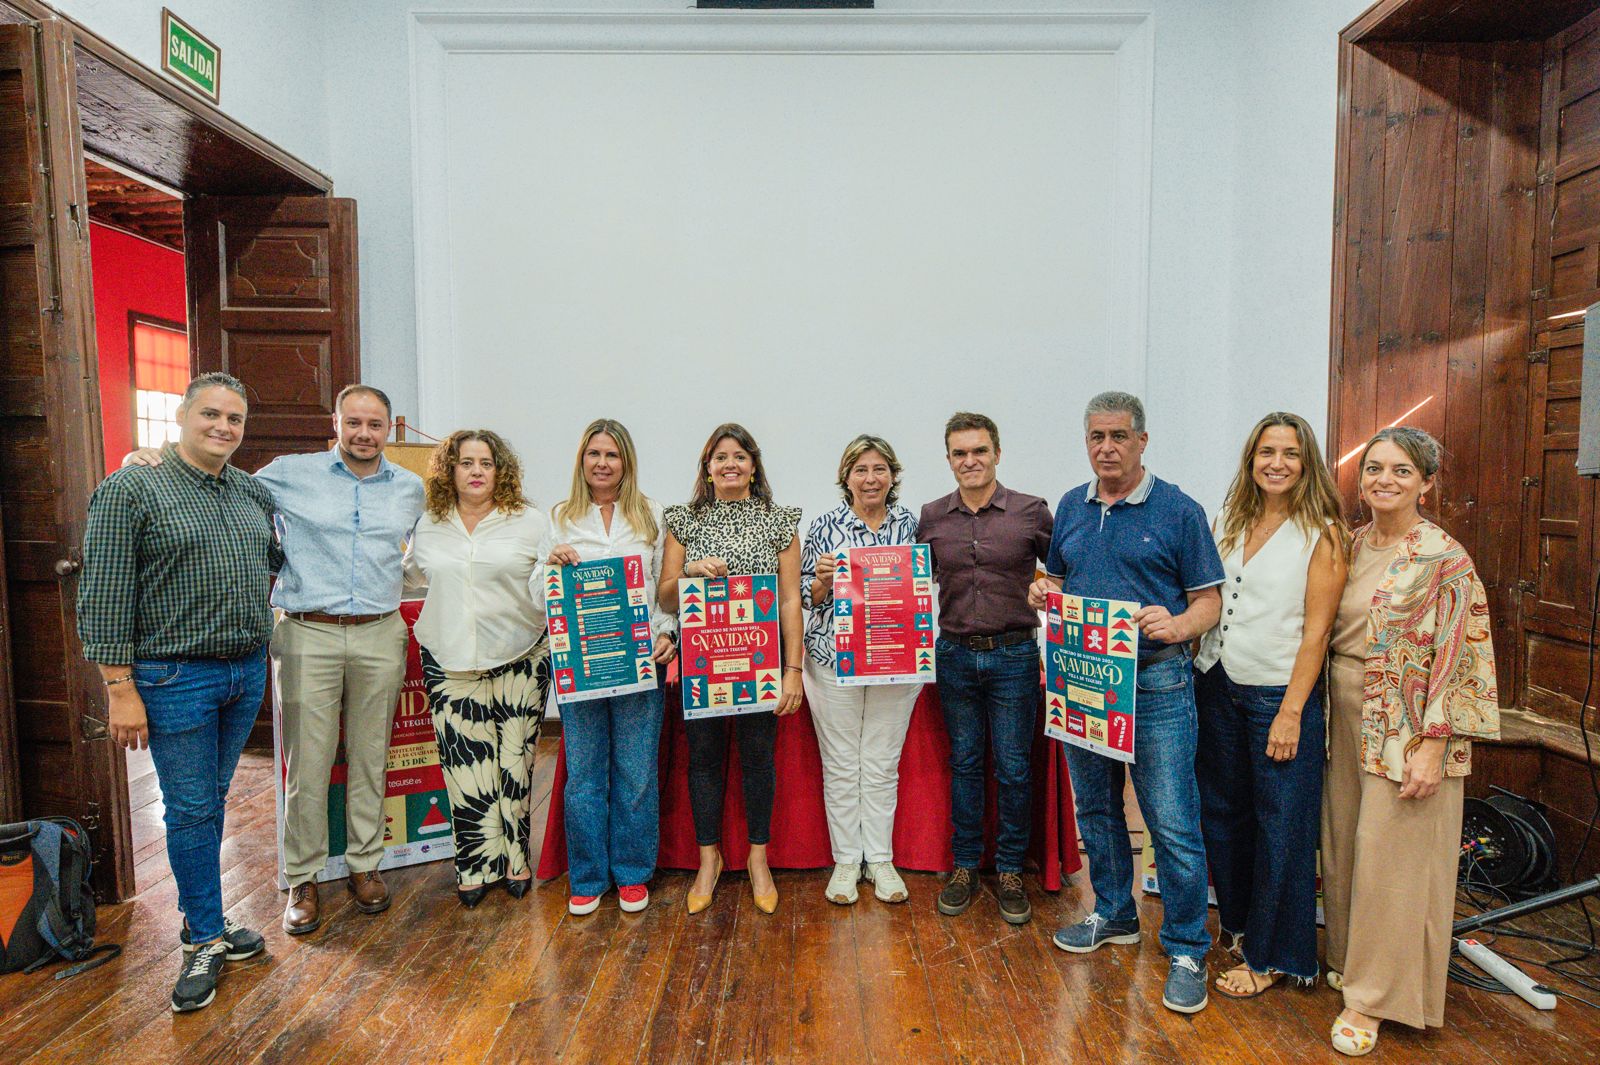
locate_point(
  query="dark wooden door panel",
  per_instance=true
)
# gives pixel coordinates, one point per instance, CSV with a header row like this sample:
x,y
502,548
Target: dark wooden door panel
x,y
50,449
273,300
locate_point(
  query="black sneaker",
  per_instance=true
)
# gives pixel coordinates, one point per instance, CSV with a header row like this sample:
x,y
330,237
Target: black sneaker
x,y
958,891
242,942
197,981
1014,905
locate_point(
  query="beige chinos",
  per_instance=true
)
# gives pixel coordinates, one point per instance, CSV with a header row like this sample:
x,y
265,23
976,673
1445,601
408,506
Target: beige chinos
x,y
324,675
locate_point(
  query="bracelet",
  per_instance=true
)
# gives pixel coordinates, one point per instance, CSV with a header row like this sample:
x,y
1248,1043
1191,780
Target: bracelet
x,y
118,680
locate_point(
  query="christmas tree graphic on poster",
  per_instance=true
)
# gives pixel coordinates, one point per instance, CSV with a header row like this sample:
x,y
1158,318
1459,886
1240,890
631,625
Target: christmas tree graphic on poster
x,y
731,658
1091,656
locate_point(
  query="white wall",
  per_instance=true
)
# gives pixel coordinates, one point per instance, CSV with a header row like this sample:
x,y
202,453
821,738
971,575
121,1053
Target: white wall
x,y
272,59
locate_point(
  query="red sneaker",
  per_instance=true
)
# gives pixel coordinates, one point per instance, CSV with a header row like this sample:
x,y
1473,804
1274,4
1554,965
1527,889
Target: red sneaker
x,y
582,905
633,897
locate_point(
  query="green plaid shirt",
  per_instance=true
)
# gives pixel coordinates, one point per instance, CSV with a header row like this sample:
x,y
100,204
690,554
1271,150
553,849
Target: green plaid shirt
x,y
176,564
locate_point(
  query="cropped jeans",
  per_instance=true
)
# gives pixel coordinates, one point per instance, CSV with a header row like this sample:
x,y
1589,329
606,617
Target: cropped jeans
x,y
612,797
200,712
1164,780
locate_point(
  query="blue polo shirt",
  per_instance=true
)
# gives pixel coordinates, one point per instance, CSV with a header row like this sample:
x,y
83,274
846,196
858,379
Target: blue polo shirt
x,y
1152,547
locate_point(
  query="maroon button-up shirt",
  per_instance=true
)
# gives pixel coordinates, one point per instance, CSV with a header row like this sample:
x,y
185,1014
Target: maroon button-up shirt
x,y
984,562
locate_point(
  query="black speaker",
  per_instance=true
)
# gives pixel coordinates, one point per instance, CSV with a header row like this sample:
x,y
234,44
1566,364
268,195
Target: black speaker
x,y
1589,412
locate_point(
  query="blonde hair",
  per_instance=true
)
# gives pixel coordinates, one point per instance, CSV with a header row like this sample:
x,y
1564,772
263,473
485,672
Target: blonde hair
x,y
440,484
632,502
852,454
1313,501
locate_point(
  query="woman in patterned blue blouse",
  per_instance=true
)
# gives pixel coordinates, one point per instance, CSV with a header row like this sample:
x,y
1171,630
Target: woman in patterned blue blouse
x,y
859,729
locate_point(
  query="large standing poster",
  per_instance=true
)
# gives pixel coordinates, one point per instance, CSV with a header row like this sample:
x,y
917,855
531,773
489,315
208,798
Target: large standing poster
x,y
731,658
416,808
883,615
1091,657
600,642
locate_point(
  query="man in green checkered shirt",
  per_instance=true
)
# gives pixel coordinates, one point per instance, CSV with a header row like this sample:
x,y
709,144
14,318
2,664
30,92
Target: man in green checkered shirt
x,y
172,606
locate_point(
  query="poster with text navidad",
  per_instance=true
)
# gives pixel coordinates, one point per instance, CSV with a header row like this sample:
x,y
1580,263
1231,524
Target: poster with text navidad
x,y
599,621
883,615
416,807
729,654
1091,655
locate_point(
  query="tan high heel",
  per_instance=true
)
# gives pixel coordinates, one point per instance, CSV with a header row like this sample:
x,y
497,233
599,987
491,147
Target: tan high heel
x,y
767,903
697,903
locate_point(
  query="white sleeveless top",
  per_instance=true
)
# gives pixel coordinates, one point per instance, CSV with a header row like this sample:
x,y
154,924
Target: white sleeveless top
x,y
1263,609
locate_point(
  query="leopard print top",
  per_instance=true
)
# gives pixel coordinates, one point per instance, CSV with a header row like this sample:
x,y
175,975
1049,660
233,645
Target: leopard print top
x,y
745,532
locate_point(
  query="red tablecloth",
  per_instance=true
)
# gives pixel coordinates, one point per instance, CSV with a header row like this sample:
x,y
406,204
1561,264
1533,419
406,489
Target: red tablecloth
x,y
799,822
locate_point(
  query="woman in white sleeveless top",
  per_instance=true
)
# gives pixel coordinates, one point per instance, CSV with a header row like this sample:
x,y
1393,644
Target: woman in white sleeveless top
x,y
1259,761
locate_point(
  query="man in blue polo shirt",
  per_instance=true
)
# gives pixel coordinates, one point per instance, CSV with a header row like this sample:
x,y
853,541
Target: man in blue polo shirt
x,y
1129,535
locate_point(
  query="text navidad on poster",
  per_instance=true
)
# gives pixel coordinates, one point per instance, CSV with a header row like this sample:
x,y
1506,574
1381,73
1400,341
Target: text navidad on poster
x,y
1091,659
731,656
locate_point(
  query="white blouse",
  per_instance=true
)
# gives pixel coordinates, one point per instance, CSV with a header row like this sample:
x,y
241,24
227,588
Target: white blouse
x,y
485,603
1263,609
587,535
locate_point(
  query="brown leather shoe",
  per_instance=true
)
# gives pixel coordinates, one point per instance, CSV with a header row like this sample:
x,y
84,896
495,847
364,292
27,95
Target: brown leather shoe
x,y
370,893
304,913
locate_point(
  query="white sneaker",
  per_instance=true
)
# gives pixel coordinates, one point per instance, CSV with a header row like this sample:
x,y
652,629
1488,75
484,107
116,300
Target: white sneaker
x,y
842,884
886,883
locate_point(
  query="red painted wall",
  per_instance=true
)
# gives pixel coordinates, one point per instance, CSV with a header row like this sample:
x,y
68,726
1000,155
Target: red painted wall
x,y
135,275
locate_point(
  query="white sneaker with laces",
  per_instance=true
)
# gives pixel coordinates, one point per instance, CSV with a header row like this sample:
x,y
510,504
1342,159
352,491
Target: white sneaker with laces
x,y
842,884
886,883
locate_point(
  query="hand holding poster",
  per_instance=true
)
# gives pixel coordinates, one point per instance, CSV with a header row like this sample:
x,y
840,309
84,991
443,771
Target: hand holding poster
x,y
600,643
731,658
1091,656
883,615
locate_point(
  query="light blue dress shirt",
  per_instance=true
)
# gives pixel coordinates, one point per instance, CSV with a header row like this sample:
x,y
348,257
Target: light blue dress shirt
x,y
343,536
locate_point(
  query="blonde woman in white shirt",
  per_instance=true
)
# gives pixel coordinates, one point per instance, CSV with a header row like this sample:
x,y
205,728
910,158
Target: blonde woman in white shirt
x,y
1258,692
485,656
612,795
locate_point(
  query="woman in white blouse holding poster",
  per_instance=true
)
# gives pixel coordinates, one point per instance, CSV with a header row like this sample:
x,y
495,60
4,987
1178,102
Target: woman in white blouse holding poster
x,y
485,656
612,797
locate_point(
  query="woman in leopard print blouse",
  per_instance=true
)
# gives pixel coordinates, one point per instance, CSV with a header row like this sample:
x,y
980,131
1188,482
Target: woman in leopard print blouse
x,y
731,526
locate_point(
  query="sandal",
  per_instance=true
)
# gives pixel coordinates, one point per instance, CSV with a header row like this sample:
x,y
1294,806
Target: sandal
x,y
1256,984
1351,1040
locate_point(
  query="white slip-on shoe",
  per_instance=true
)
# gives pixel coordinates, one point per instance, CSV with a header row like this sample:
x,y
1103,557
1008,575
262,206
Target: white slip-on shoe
x,y
842,884
886,883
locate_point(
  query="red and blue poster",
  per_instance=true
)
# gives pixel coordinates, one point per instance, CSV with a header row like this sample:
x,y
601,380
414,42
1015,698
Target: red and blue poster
x,y
883,615
600,643
1091,656
731,658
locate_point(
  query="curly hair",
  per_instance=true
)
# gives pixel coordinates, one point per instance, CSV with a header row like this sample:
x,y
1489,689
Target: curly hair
x,y
441,480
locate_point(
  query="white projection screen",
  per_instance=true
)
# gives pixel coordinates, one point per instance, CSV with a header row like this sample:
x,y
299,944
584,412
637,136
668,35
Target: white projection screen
x,y
814,245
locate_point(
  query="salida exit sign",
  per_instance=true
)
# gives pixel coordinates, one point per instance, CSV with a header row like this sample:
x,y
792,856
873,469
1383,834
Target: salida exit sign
x,y
189,57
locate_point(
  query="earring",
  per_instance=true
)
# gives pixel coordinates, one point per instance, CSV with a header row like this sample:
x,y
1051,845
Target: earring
x,y
709,480
1422,500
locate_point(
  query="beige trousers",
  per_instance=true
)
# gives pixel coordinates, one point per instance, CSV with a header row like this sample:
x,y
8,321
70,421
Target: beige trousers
x,y
322,676
1388,875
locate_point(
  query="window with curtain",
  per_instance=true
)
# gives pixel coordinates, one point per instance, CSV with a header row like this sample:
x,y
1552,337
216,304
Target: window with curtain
x,y
160,372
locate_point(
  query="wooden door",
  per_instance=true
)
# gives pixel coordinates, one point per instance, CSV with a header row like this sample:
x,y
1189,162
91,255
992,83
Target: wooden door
x,y
50,452
273,300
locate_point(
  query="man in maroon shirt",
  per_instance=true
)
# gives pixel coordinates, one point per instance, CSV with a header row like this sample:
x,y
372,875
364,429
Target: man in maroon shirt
x,y
986,540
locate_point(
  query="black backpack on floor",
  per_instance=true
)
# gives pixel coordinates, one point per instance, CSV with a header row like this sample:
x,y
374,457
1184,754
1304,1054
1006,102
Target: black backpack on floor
x,y
46,904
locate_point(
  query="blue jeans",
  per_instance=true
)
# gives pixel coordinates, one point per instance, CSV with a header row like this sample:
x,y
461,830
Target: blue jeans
x,y
612,799
200,712
1262,820
989,698
1164,781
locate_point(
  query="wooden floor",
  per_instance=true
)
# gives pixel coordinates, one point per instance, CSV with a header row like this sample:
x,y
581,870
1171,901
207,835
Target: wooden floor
x,y
523,981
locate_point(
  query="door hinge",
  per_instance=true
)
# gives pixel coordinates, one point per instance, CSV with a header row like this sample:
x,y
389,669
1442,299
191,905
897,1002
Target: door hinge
x,y
77,220
1528,587
93,728
91,816
1530,482
1540,357
1540,294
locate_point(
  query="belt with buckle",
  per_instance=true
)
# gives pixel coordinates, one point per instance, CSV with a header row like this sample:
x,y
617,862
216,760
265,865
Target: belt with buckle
x,y
1162,655
989,643
338,619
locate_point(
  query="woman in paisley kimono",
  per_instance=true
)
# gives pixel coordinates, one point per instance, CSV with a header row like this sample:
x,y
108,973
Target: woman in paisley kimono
x,y
732,526
1412,683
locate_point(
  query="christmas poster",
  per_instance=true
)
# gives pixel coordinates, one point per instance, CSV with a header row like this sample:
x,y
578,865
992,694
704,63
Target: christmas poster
x,y
416,809
731,659
883,615
600,642
1091,656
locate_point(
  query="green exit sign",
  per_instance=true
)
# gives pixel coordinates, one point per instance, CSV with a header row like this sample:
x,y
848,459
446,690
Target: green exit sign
x,y
189,57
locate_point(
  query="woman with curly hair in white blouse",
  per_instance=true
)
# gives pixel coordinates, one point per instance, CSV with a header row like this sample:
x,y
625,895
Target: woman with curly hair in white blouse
x,y
731,526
